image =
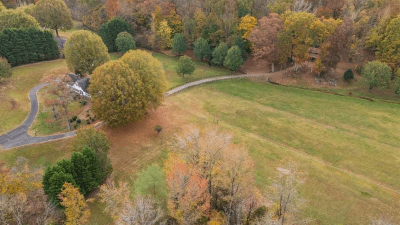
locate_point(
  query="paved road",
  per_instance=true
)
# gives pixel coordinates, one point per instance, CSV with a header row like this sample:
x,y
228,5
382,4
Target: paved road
x,y
20,137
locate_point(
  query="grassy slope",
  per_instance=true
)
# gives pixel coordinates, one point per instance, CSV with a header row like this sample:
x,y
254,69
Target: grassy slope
x,y
333,139
348,147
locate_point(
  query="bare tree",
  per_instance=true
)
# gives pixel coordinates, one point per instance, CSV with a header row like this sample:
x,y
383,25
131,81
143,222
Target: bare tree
x,y
302,6
143,211
286,186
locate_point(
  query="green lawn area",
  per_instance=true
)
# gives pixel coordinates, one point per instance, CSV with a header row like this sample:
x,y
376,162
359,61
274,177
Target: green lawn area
x,y
347,147
14,94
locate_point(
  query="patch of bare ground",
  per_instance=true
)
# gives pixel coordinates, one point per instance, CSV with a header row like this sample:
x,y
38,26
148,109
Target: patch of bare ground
x,y
138,145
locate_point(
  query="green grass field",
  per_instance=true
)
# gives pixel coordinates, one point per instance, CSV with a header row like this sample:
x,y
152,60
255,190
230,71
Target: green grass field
x,y
347,147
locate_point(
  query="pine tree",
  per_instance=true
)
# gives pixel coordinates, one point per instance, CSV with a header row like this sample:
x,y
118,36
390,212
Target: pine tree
x,y
219,54
242,46
125,42
233,60
202,49
110,30
179,44
57,181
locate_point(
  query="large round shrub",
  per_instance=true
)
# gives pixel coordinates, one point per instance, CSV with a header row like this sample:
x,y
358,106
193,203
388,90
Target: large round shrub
x,y
16,19
5,69
118,95
110,30
151,73
84,51
125,42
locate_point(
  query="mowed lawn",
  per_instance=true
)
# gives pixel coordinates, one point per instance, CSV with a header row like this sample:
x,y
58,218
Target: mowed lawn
x,y
348,147
14,92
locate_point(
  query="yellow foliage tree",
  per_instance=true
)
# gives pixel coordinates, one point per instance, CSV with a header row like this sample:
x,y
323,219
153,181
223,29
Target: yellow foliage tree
x,y
164,33
76,210
247,23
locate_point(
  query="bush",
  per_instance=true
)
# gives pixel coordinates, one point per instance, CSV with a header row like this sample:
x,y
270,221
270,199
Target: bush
x,y
125,42
5,69
74,118
17,19
83,102
27,45
79,121
110,30
233,60
185,66
348,75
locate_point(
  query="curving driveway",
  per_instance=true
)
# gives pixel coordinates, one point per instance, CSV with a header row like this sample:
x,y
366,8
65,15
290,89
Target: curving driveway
x,y
19,136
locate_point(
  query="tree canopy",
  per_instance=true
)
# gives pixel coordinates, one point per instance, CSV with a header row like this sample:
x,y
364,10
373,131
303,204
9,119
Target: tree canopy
x,y
110,30
151,74
84,51
376,74
202,49
5,68
125,42
118,94
233,60
179,44
219,54
53,14
12,18
185,66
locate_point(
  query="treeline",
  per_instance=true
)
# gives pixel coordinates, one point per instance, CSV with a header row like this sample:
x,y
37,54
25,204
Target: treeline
x,y
27,45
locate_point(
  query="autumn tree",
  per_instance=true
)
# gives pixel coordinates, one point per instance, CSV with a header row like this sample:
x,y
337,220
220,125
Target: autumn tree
x,y
233,60
125,42
53,14
84,51
151,183
118,95
123,211
179,44
387,43
264,39
2,7
185,66
110,30
76,209
376,74
246,25
202,49
297,26
5,69
87,136
151,73
189,30
164,33
188,199
16,19
219,54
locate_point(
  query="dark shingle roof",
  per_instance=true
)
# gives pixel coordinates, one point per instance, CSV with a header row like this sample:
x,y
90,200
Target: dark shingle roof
x,y
73,77
83,83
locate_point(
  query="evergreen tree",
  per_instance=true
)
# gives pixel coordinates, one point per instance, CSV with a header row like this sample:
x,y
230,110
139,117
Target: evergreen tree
x,y
202,49
233,60
179,44
185,66
57,180
242,46
110,30
219,54
125,42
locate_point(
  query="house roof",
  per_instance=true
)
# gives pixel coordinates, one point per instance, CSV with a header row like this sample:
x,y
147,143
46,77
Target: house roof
x,y
83,83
